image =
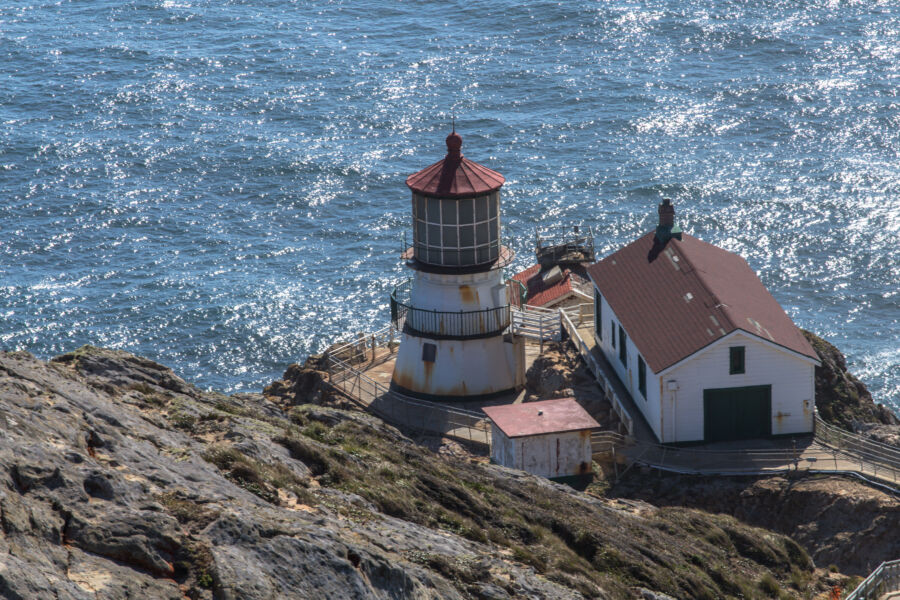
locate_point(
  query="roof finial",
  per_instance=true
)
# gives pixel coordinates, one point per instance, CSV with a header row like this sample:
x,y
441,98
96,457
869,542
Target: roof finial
x,y
454,142
453,122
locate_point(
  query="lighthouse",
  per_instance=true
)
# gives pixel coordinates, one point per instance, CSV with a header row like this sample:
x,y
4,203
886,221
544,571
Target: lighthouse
x,y
454,313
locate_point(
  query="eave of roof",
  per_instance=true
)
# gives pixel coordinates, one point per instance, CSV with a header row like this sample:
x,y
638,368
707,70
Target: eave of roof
x,y
455,177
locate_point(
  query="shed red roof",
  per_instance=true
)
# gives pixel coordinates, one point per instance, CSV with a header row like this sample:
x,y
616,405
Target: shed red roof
x,y
540,293
689,296
538,418
455,176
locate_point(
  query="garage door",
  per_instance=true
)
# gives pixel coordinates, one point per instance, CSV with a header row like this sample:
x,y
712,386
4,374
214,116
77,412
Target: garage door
x,y
737,413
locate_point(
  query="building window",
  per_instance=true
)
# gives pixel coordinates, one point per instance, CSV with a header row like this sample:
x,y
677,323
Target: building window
x,y
642,377
612,333
598,321
429,352
736,360
623,353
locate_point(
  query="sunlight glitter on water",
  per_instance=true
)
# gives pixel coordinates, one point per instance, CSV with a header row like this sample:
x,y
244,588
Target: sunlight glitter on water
x,y
225,181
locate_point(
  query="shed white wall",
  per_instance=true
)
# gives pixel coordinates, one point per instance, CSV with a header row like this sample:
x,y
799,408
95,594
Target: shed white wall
x,y
501,448
549,455
628,373
791,377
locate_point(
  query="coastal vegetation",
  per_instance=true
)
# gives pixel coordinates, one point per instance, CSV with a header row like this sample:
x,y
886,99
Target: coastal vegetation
x,y
124,479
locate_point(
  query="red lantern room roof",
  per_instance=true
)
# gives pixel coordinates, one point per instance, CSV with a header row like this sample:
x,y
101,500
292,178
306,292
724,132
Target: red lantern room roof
x,y
455,176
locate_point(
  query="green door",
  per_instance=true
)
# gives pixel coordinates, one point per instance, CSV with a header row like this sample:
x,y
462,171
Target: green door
x,y
737,413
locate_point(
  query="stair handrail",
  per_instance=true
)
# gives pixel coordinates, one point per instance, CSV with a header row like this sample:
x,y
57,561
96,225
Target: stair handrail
x,y
884,579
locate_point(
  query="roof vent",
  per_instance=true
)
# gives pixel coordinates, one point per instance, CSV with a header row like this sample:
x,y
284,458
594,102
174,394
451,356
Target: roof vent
x,y
540,413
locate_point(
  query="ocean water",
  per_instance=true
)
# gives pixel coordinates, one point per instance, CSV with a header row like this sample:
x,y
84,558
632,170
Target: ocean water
x,y
219,186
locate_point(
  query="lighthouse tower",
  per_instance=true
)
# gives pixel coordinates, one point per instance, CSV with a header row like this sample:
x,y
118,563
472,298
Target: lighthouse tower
x,y
454,310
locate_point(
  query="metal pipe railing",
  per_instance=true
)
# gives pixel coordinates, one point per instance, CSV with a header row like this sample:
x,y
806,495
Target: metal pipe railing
x,y
457,324
884,579
402,410
585,352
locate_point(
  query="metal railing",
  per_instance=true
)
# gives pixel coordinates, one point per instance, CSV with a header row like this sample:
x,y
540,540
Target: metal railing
x,y
868,451
883,580
461,324
608,391
401,410
364,346
558,243
541,325
813,458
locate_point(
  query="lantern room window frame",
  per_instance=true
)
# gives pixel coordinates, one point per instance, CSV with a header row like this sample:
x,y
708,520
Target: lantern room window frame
x,y
465,232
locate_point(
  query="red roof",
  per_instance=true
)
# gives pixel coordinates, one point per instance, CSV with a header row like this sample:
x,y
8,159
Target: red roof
x,y
689,296
538,418
455,176
542,294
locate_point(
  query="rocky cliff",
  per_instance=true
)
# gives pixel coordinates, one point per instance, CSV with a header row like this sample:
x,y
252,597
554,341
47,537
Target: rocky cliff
x,y
120,480
839,521
841,398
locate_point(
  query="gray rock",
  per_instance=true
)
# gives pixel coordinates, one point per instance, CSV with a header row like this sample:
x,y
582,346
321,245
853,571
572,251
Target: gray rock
x,y
110,493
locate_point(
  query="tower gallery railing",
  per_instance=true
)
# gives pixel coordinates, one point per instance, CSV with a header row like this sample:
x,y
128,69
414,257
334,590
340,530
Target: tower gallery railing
x,y
464,324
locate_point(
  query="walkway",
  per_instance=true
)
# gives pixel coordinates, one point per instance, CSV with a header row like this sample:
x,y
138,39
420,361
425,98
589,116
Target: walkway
x,y
641,430
361,371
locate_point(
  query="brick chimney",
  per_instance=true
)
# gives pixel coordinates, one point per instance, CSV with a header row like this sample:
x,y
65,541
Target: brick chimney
x,y
667,229
666,213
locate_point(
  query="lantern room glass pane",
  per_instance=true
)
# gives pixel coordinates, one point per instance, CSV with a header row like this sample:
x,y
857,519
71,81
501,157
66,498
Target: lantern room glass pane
x,y
451,258
466,236
420,207
482,233
420,231
450,238
466,214
483,255
434,235
481,209
434,256
494,204
434,210
467,257
448,212
495,231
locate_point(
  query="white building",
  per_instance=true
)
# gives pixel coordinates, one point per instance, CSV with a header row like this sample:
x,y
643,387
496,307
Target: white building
x,y
705,351
550,438
454,310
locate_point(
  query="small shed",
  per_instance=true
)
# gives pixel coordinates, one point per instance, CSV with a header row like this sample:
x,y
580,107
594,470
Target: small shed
x,y
550,438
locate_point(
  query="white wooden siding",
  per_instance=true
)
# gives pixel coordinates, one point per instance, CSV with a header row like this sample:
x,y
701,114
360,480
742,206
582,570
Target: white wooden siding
x,y
791,377
650,405
548,455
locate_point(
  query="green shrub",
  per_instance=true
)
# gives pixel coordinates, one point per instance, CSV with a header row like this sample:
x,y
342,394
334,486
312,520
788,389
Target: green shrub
x,y
769,586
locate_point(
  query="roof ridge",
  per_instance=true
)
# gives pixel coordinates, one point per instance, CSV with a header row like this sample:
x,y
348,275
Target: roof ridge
x,y
465,171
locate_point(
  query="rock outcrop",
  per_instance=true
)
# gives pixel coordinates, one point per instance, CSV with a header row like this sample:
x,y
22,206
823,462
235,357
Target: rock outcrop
x,y
841,398
838,520
120,480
